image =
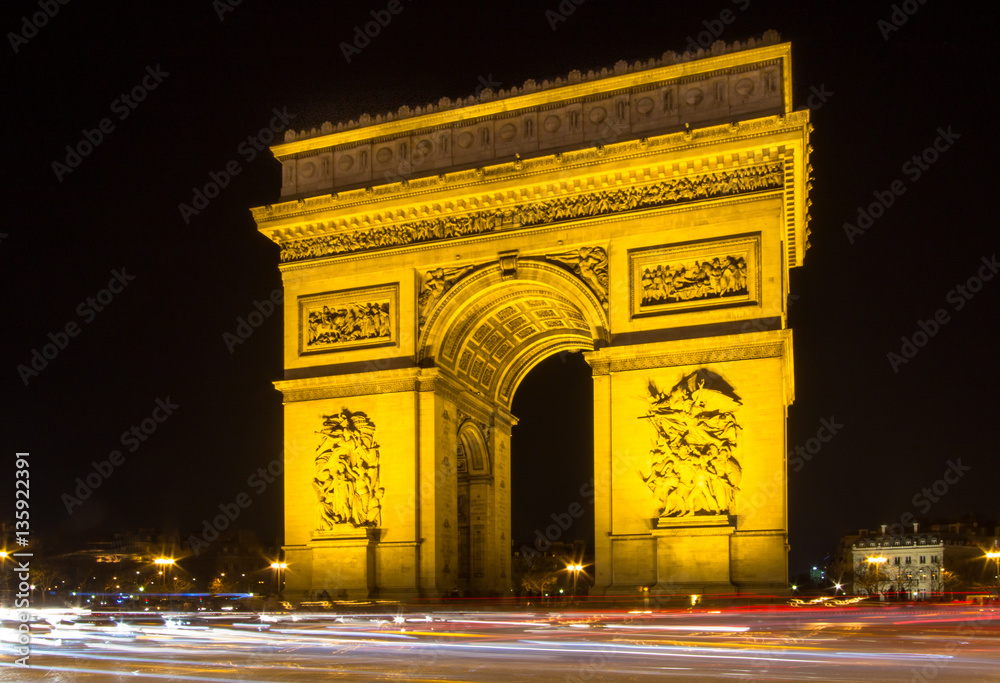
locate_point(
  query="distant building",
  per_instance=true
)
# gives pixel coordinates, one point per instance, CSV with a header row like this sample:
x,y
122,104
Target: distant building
x,y
907,566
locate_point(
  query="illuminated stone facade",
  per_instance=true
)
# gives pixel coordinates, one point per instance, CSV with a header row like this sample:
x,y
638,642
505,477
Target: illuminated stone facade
x,y
648,216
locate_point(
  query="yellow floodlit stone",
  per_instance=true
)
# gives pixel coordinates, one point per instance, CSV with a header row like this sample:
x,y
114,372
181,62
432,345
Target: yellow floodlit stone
x,y
648,218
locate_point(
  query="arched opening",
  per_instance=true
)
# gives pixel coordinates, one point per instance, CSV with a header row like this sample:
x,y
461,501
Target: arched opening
x,y
485,335
552,470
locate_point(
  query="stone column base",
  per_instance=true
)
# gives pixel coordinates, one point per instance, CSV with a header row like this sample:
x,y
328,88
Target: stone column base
x,y
343,563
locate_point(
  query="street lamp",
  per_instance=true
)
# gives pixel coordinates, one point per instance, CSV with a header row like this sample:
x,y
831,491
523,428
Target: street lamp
x,y
164,563
576,569
278,567
995,555
877,561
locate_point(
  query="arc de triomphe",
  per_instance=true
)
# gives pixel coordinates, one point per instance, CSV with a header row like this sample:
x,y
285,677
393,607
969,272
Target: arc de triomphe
x,y
647,215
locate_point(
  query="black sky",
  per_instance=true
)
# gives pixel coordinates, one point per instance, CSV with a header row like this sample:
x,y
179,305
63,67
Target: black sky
x,y
162,336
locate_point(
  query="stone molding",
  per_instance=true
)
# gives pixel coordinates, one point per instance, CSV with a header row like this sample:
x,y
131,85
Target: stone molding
x,y
563,162
711,185
341,386
621,67
602,364
724,530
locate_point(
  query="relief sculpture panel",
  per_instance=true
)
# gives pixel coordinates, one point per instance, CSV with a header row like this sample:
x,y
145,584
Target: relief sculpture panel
x,y
694,279
345,320
590,264
693,468
671,279
436,282
347,472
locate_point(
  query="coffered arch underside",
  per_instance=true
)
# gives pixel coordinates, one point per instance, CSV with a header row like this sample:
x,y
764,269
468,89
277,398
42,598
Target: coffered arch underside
x,y
492,330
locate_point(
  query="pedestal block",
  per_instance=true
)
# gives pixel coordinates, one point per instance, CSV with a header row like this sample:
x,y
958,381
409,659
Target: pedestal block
x,y
693,558
343,563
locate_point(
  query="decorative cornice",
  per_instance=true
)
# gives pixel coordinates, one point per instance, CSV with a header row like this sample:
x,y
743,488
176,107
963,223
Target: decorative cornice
x,y
442,384
565,161
502,99
693,531
342,386
701,357
720,183
705,351
598,368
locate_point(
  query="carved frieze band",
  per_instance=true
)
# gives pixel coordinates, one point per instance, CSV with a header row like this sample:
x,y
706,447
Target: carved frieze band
x,y
348,319
661,193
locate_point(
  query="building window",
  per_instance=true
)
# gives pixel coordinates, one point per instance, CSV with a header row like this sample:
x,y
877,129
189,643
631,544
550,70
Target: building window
x,y
895,561
934,559
923,559
908,558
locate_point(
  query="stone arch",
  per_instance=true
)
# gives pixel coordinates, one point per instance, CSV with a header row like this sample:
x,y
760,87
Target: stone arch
x,y
474,459
491,328
485,264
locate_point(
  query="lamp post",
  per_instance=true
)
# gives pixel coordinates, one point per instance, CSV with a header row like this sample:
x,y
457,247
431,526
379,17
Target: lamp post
x,y
576,569
877,561
3,569
278,567
995,555
164,563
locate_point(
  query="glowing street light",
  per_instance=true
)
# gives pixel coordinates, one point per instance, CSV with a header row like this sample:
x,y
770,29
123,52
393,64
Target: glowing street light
x,y
278,567
877,560
995,555
164,562
576,569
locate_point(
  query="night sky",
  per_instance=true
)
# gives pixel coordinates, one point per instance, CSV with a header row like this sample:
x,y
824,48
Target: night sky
x,y
109,220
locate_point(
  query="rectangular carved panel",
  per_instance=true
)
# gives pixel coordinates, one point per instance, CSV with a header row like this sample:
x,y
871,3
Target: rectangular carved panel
x,y
695,276
349,319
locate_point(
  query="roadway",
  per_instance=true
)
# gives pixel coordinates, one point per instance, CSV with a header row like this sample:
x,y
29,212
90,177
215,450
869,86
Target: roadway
x,y
857,643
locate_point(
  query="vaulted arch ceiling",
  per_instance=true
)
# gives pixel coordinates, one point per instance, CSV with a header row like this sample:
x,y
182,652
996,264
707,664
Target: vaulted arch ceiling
x,y
497,340
497,322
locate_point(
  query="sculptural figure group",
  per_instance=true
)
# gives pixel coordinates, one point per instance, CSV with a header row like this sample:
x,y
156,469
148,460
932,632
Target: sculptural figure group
x,y
693,466
348,323
687,281
347,472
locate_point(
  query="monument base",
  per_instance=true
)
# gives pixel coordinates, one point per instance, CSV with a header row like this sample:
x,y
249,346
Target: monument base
x,y
340,562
